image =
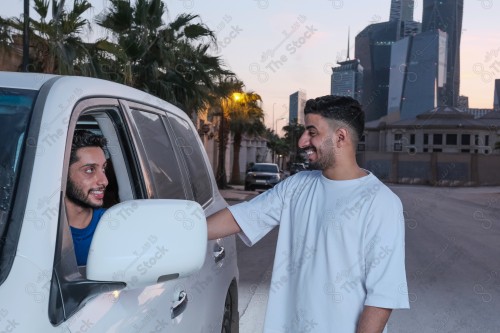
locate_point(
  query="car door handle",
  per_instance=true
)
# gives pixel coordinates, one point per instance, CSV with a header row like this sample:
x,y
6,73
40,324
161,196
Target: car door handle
x,y
180,305
219,253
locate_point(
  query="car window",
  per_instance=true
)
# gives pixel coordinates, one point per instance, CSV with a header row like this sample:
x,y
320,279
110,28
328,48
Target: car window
x,y
15,112
187,142
160,153
265,168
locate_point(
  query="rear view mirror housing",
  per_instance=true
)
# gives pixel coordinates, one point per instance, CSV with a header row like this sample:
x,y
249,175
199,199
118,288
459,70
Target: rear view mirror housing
x,y
143,242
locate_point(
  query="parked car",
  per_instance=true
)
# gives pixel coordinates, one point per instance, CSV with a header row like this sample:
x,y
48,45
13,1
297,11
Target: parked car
x,y
150,266
262,176
297,167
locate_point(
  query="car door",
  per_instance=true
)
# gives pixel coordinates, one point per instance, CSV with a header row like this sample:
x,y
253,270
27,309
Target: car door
x,y
209,286
161,307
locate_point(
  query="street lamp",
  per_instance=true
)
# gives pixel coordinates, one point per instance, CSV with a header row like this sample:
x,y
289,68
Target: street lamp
x,y
282,118
274,129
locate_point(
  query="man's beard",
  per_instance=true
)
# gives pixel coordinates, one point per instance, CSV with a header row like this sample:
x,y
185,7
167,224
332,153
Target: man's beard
x,y
77,196
326,155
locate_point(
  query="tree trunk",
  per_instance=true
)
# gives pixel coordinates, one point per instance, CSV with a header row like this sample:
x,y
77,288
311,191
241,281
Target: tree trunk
x,y
221,177
235,174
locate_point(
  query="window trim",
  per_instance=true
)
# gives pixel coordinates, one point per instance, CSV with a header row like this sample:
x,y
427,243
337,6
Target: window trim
x,y
152,192
183,160
69,288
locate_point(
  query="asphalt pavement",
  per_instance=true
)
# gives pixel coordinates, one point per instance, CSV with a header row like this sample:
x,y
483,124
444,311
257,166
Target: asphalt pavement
x,y
452,262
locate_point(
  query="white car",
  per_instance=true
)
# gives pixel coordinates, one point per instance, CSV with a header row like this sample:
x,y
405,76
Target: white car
x,y
150,266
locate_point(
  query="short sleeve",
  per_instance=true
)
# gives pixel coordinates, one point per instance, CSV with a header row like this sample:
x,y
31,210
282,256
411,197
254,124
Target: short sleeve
x,y
385,283
260,215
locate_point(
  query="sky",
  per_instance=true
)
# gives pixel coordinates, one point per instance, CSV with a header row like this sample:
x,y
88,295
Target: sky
x,y
279,47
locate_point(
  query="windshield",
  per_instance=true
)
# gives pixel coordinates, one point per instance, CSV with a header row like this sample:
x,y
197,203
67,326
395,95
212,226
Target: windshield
x,y
15,111
265,168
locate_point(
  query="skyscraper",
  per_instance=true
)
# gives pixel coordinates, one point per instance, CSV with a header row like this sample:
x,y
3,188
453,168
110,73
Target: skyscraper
x,y
347,79
401,10
297,103
373,49
446,15
418,73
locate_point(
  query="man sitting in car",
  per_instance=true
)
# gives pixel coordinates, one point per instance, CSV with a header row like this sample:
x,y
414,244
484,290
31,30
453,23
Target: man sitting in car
x,y
85,189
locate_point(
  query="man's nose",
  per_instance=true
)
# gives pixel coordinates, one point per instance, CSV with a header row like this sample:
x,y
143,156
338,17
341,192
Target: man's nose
x,y
304,140
102,179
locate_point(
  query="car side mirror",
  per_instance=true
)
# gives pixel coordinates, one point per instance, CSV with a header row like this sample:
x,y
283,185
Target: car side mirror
x,y
144,242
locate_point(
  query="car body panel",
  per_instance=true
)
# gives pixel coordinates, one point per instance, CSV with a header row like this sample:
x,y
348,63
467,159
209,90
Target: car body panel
x,y
261,176
29,280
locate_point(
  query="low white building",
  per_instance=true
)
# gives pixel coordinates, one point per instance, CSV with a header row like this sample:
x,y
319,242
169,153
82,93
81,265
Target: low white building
x,y
443,129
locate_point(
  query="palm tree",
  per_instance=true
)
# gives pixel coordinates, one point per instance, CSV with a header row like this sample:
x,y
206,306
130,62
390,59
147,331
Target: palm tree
x,y
170,60
56,42
293,132
246,117
222,105
277,145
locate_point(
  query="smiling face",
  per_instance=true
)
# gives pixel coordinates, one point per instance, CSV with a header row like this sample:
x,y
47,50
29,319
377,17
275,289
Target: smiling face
x,y
318,142
87,180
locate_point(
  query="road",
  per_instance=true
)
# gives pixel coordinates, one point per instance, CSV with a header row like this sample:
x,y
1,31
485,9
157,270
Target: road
x,y
452,263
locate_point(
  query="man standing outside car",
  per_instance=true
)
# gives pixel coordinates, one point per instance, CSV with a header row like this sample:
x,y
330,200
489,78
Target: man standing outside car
x,y
339,264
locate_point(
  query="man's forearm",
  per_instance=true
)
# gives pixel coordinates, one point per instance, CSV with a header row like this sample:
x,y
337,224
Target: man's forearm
x,y
222,224
373,319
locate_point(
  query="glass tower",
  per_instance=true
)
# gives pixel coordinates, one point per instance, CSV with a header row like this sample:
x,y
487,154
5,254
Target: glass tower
x,y
446,15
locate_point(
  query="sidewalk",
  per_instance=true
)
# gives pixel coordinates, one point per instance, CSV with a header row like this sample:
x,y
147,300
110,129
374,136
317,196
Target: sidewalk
x,y
237,193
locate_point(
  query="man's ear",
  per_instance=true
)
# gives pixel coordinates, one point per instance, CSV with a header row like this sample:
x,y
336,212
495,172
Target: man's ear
x,y
342,136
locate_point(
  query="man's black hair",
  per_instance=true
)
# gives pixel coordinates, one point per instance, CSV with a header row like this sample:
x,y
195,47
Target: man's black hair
x,y
341,108
85,138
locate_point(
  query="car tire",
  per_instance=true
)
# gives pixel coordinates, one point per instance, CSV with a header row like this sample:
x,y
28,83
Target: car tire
x,y
247,187
230,319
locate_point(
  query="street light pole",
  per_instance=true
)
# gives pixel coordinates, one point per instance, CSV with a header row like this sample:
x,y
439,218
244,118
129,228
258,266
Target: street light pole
x,y
274,128
282,118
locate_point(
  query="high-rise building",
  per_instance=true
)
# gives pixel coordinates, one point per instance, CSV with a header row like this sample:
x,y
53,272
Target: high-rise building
x,y
446,15
296,110
373,49
347,79
496,96
418,73
402,11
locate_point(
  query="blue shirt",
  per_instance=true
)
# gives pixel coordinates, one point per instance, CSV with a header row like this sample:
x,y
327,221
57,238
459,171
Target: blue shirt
x,y
83,237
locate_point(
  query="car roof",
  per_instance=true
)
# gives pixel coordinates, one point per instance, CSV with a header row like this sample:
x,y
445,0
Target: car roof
x,y
18,80
81,87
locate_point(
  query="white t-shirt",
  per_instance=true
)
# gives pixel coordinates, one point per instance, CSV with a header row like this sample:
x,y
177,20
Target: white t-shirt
x,y
340,247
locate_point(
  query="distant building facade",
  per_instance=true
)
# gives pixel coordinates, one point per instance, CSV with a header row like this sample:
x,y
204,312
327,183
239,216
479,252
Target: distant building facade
x,y
296,107
347,79
417,74
373,49
443,129
477,113
463,102
447,15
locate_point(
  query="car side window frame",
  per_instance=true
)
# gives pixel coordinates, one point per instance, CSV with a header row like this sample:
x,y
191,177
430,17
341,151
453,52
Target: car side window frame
x,y
133,106
181,146
69,287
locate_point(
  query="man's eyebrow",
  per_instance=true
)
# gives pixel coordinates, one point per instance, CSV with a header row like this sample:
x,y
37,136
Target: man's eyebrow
x,y
91,164
310,127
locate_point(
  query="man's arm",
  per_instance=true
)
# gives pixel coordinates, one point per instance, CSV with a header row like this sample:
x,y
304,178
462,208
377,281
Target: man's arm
x,y
222,224
373,319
